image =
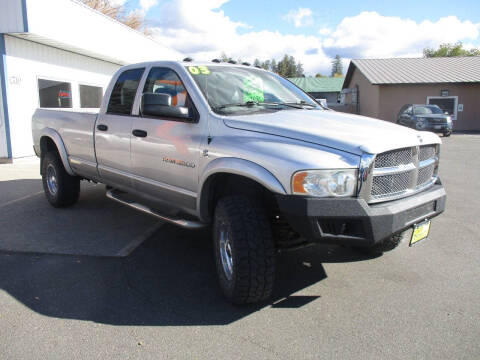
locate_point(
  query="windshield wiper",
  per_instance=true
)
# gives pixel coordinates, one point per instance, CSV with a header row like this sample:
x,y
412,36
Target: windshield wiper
x,y
297,105
245,104
301,104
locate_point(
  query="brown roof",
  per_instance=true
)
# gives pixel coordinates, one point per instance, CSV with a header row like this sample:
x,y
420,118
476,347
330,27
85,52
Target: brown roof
x,y
417,70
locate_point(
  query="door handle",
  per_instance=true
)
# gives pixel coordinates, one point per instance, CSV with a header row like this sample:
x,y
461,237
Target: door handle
x,y
102,127
139,133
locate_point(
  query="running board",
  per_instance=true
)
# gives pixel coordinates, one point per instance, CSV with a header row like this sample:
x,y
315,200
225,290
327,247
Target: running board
x,y
188,224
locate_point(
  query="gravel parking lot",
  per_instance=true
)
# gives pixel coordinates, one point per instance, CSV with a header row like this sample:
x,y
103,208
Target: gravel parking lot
x,y
101,281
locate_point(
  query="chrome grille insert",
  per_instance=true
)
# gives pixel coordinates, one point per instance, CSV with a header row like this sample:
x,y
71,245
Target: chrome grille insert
x,y
427,152
425,174
387,185
394,158
402,172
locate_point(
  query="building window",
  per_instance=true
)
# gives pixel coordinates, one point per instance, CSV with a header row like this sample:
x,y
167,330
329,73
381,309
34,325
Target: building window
x,y
54,94
123,93
90,96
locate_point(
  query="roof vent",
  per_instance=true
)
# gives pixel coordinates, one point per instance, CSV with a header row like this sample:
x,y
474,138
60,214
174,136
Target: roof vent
x,y
246,63
188,59
216,60
232,62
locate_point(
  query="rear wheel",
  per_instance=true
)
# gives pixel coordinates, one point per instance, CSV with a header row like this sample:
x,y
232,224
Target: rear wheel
x,y
244,250
447,134
61,189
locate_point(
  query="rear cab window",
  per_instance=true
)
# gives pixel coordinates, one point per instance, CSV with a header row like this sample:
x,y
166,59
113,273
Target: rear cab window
x,y
124,91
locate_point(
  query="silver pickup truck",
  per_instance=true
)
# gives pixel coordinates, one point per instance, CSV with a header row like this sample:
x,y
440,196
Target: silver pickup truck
x,y
247,152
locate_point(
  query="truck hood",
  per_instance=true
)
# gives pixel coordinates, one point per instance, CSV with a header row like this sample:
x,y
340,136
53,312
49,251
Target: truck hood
x,y
347,132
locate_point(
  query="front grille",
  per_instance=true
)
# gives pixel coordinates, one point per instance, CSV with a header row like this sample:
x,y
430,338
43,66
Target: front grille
x,y
427,152
437,120
425,174
401,172
387,185
394,158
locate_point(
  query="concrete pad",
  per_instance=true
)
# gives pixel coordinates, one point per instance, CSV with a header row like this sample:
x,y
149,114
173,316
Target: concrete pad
x,y
95,226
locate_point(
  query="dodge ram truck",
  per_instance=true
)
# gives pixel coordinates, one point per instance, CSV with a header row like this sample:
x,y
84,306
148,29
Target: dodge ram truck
x,y
249,155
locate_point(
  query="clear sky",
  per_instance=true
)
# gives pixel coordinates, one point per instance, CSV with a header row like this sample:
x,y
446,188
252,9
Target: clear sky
x,y
312,31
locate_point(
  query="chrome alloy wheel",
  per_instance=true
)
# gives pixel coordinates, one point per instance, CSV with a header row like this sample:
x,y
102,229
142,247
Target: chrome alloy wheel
x,y
52,180
226,254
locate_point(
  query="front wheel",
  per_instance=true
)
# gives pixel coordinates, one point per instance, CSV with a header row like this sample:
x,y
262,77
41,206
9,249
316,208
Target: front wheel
x,y
244,250
61,189
447,134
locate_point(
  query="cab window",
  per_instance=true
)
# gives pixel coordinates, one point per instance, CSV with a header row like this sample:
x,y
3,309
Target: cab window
x,y
123,93
166,81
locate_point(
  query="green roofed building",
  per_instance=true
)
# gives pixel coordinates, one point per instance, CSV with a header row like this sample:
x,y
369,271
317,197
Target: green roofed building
x,y
328,88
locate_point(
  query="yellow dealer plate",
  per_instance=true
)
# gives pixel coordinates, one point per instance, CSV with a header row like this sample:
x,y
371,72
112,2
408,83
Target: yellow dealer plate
x,y
420,232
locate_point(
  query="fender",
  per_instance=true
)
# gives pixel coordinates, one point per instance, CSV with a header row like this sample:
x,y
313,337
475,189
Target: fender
x,y
240,167
57,139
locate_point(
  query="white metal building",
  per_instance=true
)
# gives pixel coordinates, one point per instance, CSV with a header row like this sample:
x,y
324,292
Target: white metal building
x,y
59,54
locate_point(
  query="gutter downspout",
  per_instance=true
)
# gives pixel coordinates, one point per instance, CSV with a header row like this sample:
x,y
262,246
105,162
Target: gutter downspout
x,y
3,84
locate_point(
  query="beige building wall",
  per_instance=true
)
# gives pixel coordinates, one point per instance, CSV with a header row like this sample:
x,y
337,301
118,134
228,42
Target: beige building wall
x,y
368,95
393,97
385,101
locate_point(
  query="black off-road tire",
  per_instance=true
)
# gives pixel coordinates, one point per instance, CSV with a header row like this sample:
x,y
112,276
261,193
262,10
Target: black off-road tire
x,y
447,134
248,229
67,186
378,249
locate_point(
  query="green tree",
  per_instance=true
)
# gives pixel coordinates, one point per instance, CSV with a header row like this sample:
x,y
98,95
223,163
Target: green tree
x,y
318,75
337,67
299,70
273,66
449,50
266,65
224,57
287,67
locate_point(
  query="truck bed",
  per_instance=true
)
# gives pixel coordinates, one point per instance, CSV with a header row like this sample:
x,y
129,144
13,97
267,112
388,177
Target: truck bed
x,y
76,129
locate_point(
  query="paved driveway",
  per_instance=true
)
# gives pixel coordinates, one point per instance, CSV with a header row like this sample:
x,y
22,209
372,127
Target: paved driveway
x,y
68,291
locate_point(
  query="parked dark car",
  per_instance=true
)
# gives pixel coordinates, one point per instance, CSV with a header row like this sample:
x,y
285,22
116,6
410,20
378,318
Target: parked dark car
x,y
425,117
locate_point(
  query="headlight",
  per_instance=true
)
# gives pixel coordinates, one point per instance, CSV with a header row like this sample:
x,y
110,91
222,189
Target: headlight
x,y
449,119
325,183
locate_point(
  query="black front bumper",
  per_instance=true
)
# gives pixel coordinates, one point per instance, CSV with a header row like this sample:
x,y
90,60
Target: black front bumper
x,y
438,127
352,221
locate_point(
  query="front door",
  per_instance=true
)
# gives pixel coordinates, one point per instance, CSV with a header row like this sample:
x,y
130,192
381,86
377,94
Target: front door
x,y
165,152
113,131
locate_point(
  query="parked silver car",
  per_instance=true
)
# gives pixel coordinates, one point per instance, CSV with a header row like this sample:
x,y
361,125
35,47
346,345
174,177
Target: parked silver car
x,y
425,117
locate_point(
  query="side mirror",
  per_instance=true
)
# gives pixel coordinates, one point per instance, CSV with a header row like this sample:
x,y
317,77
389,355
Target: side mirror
x,y
161,105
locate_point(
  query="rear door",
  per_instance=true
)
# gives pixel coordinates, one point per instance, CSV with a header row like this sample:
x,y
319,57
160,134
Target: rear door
x,y
165,156
113,130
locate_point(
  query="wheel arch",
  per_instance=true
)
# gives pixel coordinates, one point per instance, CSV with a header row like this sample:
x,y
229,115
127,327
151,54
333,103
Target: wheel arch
x,y
51,140
244,173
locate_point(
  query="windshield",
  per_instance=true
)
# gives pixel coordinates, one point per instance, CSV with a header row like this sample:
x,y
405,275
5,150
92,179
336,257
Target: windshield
x,y
426,110
243,90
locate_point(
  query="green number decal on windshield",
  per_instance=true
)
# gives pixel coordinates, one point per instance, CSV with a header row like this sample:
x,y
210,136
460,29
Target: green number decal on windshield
x,y
253,89
199,70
